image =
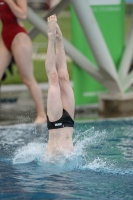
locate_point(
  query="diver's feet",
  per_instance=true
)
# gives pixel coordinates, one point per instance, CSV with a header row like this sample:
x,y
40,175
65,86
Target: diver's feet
x,y
52,27
40,120
58,33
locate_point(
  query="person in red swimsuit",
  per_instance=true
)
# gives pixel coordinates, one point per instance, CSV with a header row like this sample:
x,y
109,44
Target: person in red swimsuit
x,y
14,41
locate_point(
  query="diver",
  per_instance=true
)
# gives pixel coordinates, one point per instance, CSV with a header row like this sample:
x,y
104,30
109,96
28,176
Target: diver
x,y
60,101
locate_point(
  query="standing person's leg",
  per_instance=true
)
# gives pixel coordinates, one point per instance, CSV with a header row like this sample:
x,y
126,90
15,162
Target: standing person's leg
x,y
5,58
54,103
67,94
22,52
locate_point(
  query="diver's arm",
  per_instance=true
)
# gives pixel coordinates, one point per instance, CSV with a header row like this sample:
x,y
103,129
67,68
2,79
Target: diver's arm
x,y
18,7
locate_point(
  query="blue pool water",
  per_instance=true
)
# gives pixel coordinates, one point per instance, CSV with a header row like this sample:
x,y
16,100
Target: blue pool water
x,y
101,167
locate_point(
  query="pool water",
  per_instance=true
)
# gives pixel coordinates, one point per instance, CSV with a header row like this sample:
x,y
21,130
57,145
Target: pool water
x,y
101,167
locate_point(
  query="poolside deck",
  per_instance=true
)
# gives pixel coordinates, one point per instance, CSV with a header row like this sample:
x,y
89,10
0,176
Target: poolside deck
x,y
21,108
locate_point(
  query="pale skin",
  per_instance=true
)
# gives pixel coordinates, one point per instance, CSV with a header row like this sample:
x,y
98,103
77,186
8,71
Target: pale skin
x,y
21,50
60,93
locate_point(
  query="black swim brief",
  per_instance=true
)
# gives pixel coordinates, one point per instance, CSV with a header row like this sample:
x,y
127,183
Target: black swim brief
x,y
64,121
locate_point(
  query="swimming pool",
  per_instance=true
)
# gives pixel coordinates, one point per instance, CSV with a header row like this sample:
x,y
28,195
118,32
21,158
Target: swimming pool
x,y
101,167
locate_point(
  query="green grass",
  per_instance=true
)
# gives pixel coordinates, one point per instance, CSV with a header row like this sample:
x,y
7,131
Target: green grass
x,y
39,72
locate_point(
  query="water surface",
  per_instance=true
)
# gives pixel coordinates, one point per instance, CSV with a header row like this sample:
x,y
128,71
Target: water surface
x,y
101,167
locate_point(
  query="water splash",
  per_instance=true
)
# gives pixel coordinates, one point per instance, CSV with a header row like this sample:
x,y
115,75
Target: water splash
x,y
29,153
90,153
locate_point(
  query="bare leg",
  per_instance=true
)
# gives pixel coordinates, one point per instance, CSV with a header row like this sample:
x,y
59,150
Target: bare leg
x,y
60,140
5,57
67,95
54,103
22,51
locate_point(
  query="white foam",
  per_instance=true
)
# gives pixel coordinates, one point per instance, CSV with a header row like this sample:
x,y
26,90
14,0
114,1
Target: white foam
x,y
29,153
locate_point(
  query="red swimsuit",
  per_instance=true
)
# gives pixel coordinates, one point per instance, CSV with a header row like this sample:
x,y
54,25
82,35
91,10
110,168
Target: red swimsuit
x,y
10,25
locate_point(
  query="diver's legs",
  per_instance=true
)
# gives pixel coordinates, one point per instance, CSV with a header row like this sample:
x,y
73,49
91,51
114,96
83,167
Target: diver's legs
x,y
54,103
67,95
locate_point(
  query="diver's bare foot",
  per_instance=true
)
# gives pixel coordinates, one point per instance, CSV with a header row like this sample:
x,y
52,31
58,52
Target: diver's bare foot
x,y
52,26
58,33
40,120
